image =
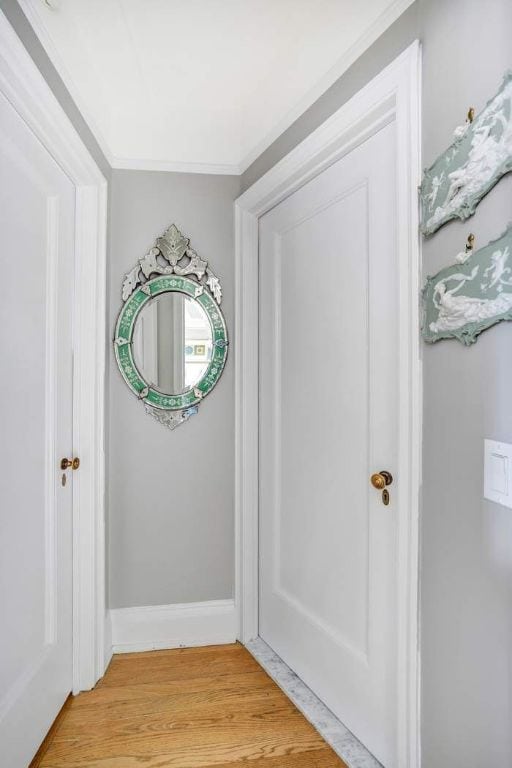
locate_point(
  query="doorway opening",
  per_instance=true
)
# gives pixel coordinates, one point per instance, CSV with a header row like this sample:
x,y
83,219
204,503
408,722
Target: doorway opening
x,y
391,99
65,176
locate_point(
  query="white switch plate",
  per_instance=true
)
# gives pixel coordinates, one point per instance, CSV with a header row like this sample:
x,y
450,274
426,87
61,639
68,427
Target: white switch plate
x,y
498,472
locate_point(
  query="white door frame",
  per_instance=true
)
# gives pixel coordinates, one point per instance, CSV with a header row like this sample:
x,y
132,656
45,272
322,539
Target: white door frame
x,y
393,95
27,91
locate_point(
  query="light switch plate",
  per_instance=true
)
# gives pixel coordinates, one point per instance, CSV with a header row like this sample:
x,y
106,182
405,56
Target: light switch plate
x,y
498,472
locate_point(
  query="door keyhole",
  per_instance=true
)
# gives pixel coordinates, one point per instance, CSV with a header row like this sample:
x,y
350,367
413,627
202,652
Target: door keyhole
x,y
379,481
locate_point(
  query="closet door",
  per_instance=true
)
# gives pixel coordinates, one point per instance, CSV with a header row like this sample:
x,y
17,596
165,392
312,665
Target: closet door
x,y
328,410
37,210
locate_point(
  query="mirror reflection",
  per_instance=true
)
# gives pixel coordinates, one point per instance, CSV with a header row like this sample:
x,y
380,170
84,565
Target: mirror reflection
x,y
172,342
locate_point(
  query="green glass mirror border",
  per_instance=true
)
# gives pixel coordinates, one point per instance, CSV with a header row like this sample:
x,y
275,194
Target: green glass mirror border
x,y
123,342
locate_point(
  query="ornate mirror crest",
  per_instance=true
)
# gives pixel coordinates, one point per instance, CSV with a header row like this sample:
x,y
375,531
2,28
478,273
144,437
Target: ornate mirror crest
x,y
171,269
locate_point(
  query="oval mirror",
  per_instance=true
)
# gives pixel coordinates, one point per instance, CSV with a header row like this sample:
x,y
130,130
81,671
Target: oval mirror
x,y
170,339
172,343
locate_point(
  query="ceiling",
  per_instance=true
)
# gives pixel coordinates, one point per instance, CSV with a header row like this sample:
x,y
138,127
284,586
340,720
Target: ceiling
x,y
201,85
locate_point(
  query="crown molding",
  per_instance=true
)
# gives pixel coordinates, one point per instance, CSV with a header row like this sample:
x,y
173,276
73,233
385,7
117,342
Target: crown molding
x,y
31,9
174,166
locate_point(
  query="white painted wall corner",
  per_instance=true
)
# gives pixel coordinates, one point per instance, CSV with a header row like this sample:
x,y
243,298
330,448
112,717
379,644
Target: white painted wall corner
x,y
156,627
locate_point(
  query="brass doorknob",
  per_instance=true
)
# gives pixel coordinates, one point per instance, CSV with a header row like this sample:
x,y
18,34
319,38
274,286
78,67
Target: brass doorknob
x,y
380,479
70,463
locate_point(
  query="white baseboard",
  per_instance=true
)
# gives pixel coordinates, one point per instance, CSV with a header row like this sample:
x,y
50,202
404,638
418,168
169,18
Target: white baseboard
x,y
155,627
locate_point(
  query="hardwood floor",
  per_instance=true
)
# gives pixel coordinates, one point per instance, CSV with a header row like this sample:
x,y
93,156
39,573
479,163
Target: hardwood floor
x,y
188,708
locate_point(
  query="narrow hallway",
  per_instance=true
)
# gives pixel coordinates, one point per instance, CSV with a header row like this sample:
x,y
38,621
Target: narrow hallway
x,y
256,334
192,708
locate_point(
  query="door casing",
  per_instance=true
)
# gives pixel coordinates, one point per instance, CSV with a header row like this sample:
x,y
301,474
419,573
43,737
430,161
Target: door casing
x,y
393,96
27,91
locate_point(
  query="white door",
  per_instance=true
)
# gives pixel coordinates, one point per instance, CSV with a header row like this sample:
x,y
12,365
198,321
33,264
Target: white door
x,y
328,420
37,206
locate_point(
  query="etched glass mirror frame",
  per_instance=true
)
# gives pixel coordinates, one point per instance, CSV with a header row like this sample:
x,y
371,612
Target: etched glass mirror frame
x,y
170,266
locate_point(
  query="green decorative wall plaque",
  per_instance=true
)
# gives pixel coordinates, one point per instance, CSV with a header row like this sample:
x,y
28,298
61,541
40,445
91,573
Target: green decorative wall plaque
x,y
170,339
463,300
480,155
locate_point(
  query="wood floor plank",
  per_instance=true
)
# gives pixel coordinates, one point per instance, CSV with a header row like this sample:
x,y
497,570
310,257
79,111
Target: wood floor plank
x,y
197,750
128,701
147,736
107,693
258,713
188,708
159,668
320,758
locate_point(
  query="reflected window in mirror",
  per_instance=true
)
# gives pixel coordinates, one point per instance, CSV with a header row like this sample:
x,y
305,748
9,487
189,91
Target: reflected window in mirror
x,y
172,343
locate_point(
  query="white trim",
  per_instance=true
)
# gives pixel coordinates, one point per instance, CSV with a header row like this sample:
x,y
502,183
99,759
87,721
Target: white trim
x,y
88,436
185,625
51,509
109,651
174,166
27,91
395,93
32,10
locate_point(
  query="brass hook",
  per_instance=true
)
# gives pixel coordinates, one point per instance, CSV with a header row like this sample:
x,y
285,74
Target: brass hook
x,y
470,244
471,114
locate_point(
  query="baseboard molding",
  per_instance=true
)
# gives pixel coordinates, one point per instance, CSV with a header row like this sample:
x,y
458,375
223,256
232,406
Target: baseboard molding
x,y
156,627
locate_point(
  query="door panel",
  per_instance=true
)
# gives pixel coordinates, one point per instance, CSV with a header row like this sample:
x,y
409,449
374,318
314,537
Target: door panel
x,y
328,405
37,235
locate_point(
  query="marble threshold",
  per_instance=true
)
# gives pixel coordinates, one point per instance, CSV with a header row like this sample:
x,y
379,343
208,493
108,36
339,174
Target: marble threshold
x,y
343,742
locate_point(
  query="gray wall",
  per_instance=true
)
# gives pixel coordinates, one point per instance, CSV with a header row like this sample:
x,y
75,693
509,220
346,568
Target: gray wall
x,y
466,549
171,493
466,541
28,37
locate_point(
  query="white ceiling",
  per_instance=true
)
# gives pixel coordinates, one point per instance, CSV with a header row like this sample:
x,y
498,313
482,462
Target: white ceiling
x,y
201,85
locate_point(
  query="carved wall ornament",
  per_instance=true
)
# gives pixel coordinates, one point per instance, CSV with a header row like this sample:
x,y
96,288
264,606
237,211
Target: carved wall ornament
x,y
480,155
464,299
171,354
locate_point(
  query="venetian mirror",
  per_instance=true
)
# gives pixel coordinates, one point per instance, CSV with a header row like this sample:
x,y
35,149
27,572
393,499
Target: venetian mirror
x,y
170,339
